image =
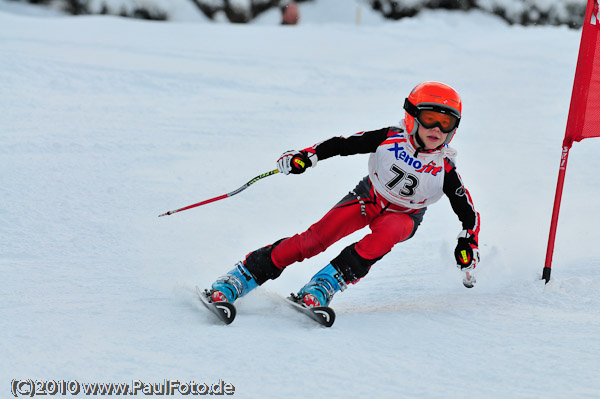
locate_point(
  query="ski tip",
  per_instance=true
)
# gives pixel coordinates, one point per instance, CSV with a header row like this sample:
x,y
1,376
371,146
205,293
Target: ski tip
x,y
227,310
324,315
327,314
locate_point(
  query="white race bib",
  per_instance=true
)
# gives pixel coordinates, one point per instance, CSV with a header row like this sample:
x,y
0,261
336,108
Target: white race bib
x,y
405,180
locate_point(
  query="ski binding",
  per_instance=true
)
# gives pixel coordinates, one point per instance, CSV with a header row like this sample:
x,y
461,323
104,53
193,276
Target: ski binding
x,y
225,311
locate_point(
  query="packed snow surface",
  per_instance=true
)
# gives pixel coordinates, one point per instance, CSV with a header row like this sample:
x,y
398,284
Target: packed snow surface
x,y
106,123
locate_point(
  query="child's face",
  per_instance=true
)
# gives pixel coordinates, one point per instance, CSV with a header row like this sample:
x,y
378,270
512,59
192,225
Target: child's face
x,y
432,138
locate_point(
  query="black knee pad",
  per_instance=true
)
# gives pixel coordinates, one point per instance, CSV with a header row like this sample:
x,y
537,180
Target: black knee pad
x,y
351,265
260,264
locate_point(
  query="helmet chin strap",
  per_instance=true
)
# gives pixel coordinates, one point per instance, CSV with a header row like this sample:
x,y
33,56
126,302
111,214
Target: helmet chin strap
x,y
420,145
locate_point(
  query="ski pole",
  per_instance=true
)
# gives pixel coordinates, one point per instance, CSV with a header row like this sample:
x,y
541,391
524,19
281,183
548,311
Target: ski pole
x,y
220,197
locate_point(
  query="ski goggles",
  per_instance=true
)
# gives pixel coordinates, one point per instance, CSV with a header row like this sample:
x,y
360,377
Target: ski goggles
x,y
430,116
430,119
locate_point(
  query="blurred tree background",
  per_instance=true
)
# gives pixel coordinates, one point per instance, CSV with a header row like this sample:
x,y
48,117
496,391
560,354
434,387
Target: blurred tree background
x,y
523,12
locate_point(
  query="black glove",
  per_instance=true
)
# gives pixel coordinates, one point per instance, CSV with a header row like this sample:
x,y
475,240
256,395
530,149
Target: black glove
x,y
296,162
467,251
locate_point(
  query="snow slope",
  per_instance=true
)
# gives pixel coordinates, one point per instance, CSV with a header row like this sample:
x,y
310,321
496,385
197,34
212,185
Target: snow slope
x,y
107,123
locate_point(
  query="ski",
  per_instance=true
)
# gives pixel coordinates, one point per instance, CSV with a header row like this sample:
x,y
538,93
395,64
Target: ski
x,y
225,311
324,315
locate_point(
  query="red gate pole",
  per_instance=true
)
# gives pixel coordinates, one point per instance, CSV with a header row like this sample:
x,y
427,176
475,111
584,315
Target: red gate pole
x,y
558,196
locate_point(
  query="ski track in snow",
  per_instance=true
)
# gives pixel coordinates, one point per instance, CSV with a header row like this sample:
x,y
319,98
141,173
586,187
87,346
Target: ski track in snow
x,y
107,123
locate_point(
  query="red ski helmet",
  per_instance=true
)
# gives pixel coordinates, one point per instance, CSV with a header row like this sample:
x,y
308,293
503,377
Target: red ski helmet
x,y
437,97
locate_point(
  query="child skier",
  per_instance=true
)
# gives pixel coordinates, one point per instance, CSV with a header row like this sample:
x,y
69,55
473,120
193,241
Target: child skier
x,y
410,167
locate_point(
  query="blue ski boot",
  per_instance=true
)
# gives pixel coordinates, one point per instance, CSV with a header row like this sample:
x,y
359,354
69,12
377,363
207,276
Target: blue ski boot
x,y
235,284
320,289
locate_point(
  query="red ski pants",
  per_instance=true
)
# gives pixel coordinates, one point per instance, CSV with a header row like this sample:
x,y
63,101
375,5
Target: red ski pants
x,y
388,227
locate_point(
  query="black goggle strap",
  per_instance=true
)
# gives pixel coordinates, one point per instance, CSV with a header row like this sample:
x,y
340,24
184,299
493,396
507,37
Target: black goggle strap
x,y
410,108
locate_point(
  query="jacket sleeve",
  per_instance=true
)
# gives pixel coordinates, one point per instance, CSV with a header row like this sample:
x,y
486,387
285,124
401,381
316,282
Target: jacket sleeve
x,y
359,143
460,199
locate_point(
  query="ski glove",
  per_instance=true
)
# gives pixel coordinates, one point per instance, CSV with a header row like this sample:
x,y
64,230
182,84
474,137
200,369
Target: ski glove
x,y
467,251
296,162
